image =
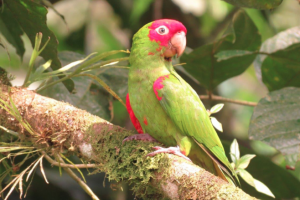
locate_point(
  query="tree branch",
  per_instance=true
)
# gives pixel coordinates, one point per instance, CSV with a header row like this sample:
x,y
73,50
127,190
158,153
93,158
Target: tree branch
x,y
219,98
59,127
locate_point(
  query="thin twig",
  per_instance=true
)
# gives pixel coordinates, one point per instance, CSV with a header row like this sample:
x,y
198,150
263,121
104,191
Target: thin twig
x,y
82,184
80,166
219,98
157,9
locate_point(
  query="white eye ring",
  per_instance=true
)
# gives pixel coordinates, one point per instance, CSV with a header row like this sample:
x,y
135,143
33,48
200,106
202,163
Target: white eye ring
x,y
162,30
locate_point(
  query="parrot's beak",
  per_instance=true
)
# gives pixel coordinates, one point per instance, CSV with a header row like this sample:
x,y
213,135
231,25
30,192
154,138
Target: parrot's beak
x,y
176,45
179,41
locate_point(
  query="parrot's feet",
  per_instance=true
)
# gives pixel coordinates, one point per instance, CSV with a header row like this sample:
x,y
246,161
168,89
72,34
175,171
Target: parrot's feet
x,y
143,137
172,150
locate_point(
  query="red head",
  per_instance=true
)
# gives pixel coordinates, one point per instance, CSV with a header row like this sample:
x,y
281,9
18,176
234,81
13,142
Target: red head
x,y
170,34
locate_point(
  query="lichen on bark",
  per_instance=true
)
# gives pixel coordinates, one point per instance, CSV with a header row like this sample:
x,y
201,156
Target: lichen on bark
x,y
126,161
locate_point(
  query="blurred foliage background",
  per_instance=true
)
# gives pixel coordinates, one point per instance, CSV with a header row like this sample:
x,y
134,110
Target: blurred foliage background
x,y
104,25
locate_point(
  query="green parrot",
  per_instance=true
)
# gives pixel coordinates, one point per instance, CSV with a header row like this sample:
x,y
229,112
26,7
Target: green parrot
x,y
161,104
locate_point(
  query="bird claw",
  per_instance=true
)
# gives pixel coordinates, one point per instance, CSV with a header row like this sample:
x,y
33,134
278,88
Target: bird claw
x,y
142,137
171,150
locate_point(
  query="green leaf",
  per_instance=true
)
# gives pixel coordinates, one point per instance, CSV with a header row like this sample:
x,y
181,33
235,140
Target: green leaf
x,y
279,42
116,79
279,180
139,8
227,54
85,97
234,151
203,64
276,121
90,95
30,17
244,161
216,108
257,4
38,74
50,5
282,69
12,31
104,85
85,65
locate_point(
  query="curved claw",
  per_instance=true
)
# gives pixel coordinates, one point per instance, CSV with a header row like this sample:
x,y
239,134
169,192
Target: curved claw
x,y
142,137
172,150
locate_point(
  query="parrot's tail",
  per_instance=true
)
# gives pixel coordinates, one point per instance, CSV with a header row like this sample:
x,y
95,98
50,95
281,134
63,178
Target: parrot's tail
x,y
223,173
222,170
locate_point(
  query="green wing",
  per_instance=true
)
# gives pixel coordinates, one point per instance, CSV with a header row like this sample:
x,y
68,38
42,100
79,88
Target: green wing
x,y
186,110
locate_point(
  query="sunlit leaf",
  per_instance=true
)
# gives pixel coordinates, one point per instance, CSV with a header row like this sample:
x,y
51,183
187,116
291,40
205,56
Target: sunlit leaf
x,y
245,160
276,121
246,176
106,63
38,74
42,68
234,151
259,186
216,124
72,64
227,54
216,108
8,149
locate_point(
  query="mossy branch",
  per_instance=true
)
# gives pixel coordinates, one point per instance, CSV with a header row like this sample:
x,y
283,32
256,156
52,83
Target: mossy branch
x,y
59,127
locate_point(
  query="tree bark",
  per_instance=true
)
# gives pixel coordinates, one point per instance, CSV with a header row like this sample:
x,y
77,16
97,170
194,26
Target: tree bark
x,y
60,127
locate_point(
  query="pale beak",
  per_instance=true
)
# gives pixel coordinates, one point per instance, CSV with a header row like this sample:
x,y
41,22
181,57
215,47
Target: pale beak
x,y
179,42
176,45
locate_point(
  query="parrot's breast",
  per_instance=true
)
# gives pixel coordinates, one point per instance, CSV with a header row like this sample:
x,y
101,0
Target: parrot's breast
x,y
146,106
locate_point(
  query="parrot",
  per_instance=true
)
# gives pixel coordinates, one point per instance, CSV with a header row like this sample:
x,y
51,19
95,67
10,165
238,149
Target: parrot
x,y
163,107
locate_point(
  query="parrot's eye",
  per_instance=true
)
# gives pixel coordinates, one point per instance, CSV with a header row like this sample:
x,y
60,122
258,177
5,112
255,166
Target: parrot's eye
x,y
162,30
